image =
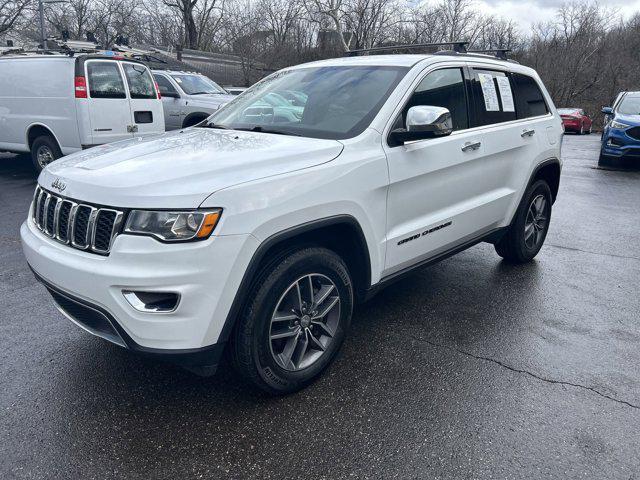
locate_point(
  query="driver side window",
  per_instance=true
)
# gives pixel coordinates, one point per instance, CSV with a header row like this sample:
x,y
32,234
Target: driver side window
x,y
442,88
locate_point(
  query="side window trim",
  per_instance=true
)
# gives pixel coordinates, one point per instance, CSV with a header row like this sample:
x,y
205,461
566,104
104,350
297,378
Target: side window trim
x,y
419,79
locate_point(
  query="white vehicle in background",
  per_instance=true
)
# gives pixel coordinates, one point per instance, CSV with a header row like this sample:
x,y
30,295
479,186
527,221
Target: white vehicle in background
x,y
261,227
188,98
53,105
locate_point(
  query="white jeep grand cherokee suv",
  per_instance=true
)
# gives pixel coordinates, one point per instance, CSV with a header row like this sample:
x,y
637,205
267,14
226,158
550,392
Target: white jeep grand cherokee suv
x,y
260,229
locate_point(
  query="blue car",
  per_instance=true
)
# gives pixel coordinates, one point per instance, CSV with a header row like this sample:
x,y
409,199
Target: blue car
x,y
621,135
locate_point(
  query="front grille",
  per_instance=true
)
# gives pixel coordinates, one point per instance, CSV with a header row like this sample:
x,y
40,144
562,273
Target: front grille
x,y
83,226
634,133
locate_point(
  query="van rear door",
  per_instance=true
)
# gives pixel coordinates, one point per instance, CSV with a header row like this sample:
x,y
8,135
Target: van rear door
x,y
146,107
108,102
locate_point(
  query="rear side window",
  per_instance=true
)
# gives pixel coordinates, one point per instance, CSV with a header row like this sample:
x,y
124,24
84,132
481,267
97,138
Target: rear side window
x,y
529,99
139,80
442,88
105,80
493,97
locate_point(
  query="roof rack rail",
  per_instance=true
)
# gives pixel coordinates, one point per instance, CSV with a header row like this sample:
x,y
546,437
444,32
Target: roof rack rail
x,y
500,53
458,47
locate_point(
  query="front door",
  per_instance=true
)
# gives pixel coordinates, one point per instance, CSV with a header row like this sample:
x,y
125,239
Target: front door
x,y
108,102
174,111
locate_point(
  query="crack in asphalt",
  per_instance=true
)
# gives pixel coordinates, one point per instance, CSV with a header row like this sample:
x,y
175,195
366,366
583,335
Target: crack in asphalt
x,y
526,372
627,257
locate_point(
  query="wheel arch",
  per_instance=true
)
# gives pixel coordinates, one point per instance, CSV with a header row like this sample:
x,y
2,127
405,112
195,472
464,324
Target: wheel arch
x,y
199,116
340,233
38,129
549,171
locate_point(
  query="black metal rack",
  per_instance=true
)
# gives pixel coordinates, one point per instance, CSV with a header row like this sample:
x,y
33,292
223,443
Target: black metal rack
x,y
458,47
500,53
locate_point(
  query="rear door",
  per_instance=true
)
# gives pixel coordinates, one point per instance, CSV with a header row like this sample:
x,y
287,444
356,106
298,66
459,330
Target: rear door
x,y
511,118
108,105
146,107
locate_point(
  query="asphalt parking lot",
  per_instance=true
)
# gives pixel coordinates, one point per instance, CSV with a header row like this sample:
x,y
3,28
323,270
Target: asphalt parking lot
x,y
468,369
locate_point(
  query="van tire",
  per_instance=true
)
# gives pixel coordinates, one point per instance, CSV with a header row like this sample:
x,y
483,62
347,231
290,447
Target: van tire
x,y
43,147
256,356
516,246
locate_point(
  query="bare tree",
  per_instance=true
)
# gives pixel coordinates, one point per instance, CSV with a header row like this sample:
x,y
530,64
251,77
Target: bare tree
x,y
10,13
330,9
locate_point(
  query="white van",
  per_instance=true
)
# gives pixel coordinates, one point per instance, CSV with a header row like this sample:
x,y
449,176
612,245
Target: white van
x,y
54,105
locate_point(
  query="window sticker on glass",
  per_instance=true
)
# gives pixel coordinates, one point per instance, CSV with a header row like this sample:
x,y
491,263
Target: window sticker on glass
x,y
505,94
489,92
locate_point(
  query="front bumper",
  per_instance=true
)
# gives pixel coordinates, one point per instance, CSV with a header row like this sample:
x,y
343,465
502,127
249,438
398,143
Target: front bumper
x,y
206,275
617,143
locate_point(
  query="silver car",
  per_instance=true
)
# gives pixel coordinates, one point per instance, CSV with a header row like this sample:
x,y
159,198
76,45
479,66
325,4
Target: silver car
x,y
188,98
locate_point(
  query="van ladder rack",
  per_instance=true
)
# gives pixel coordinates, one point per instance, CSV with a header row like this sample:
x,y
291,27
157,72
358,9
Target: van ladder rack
x,y
458,47
500,53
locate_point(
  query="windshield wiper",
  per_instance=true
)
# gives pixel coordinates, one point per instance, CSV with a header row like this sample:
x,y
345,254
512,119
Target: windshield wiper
x,y
201,93
261,129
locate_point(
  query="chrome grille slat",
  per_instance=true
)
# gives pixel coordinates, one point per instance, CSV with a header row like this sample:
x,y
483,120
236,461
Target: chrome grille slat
x,y
61,219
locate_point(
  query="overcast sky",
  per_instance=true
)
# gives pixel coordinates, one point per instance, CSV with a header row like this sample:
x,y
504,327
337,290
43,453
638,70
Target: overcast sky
x,y
528,12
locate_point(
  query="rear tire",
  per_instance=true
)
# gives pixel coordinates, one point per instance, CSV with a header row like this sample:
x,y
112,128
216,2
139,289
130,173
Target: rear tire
x,y
282,342
44,150
528,231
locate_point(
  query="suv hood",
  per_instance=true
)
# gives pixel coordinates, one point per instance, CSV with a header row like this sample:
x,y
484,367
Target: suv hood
x,y
633,120
180,169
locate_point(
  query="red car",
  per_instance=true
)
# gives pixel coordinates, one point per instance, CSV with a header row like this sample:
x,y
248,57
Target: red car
x,y
575,120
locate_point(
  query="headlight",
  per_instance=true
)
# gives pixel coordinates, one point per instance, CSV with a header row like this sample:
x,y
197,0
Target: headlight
x,y
173,226
615,124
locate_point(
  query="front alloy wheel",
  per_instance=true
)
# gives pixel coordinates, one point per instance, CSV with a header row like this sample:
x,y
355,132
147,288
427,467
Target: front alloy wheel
x,y
304,322
295,320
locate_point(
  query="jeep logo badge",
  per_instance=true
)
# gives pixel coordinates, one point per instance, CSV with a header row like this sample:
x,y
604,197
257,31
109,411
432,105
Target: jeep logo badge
x,y
58,185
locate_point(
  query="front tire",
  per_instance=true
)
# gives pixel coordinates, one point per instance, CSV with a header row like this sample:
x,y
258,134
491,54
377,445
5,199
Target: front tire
x,y
44,150
527,234
295,321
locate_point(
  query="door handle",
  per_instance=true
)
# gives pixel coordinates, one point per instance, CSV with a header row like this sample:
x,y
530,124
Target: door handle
x,y
468,146
527,133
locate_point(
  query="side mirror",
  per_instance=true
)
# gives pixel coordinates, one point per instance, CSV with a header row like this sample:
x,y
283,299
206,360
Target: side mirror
x,y
607,110
423,121
169,94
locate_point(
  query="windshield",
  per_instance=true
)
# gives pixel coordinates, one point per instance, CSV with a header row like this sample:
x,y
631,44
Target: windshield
x,y
198,85
568,111
323,102
629,106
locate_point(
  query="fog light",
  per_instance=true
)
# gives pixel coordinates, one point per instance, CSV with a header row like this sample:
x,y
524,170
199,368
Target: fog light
x,y
152,302
612,142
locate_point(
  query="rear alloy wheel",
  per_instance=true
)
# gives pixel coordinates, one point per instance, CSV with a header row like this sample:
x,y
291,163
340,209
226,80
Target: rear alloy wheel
x,y
295,320
44,150
529,229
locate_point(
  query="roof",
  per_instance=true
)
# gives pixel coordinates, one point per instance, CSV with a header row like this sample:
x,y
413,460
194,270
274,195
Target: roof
x,y
409,60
